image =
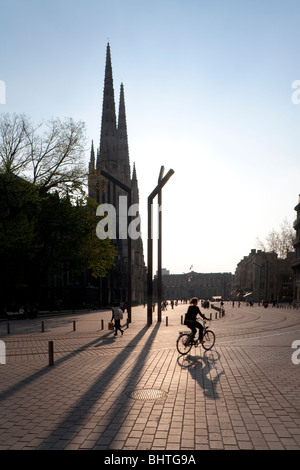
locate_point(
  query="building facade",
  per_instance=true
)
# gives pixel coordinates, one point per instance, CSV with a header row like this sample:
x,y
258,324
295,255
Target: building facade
x,y
202,285
262,276
112,156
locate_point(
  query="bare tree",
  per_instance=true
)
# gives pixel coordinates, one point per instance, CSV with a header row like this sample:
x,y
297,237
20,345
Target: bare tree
x,y
280,242
14,145
51,155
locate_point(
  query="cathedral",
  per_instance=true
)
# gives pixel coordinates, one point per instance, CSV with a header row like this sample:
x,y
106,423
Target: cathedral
x,y
112,156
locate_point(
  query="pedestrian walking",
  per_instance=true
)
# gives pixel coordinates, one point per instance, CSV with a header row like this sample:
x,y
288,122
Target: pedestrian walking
x,y
117,316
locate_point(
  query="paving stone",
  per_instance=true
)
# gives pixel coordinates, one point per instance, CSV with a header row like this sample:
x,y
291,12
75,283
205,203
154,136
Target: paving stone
x,y
244,394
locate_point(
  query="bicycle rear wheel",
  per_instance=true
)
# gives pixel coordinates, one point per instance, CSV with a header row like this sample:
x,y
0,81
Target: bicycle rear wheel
x,y
208,340
181,344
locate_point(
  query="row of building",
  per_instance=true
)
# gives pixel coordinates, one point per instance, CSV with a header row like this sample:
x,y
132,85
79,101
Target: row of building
x,y
202,285
263,276
259,277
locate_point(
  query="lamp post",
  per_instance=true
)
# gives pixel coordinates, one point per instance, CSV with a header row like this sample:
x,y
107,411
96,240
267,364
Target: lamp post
x,y
155,192
128,190
159,245
265,279
259,280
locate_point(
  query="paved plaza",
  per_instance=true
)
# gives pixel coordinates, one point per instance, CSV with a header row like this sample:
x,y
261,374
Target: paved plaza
x,y
136,392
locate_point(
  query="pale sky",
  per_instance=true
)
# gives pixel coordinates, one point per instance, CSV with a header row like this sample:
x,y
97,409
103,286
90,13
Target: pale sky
x,y
208,93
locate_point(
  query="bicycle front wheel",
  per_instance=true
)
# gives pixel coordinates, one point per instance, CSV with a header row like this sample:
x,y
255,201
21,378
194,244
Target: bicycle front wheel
x,y
208,340
183,344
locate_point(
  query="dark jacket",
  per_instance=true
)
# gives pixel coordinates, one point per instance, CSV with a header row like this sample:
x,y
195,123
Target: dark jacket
x,y
192,313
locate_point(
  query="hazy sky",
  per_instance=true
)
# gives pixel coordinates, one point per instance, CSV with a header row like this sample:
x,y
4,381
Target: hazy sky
x,y
208,92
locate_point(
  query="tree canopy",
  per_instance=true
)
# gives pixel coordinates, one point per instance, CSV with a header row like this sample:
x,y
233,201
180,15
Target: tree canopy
x,y
50,154
279,241
47,223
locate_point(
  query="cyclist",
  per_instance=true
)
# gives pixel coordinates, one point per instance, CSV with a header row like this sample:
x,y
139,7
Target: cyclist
x,y
191,318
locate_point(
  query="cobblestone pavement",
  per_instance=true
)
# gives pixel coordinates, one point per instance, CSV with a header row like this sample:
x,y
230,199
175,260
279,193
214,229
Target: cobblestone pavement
x,y
136,392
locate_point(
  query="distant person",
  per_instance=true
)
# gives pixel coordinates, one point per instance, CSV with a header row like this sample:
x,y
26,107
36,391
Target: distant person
x,y
117,315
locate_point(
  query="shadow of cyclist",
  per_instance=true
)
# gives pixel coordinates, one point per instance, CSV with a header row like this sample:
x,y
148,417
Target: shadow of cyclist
x,y
203,370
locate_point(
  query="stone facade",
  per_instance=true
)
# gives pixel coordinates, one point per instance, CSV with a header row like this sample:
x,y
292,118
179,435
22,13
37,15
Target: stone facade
x,y
201,285
113,157
262,276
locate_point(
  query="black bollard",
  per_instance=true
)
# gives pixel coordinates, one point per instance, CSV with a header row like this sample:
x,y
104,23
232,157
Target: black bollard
x,y
51,353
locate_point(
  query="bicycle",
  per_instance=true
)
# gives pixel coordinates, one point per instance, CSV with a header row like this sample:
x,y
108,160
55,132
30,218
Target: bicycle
x,y
185,342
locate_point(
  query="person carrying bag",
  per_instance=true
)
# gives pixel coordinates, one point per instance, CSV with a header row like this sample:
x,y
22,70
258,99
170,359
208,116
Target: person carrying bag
x,y
117,316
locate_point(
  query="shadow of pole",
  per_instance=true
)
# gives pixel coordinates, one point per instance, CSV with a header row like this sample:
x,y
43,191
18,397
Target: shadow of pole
x,y
79,410
36,375
119,411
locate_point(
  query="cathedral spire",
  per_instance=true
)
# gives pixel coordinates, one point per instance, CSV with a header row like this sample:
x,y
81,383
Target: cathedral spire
x,y
122,134
91,175
134,186
113,156
134,178
122,126
108,125
92,159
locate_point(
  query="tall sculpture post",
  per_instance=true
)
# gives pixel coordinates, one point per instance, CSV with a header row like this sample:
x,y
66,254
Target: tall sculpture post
x,y
159,248
129,271
155,192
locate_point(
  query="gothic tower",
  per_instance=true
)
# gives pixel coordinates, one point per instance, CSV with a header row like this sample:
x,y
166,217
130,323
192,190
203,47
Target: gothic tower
x,y
113,157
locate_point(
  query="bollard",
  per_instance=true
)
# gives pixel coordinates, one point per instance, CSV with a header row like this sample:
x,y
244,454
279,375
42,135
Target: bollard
x,y
216,315
50,353
182,319
166,321
210,316
127,323
8,328
74,325
43,327
102,325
